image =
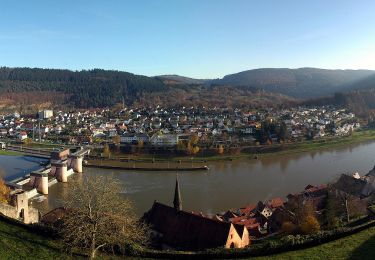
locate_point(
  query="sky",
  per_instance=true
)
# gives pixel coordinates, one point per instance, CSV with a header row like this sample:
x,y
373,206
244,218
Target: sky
x,y
195,38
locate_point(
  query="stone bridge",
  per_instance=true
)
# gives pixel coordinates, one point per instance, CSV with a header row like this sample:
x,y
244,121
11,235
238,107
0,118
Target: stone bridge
x,y
63,163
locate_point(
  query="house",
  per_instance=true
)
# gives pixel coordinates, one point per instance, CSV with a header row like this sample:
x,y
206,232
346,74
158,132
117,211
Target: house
x,y
185,230
256,217
359,187
279,216
251,223
3,132
134,138
315,195
159,139
45,114
22,136
54,217
247,209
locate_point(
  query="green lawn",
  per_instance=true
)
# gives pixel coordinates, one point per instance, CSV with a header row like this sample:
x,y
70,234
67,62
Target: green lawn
x,y
5,152
358,246
17,243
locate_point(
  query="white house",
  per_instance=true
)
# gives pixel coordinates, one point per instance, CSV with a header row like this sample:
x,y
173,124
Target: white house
x,y
159,139
22,135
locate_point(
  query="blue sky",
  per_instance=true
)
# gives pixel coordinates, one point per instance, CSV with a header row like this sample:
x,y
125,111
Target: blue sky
x,y
202,39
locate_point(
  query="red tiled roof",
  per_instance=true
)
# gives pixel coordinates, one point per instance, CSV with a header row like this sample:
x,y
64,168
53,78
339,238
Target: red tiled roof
x,y
316,188
275,203
246,210
312,191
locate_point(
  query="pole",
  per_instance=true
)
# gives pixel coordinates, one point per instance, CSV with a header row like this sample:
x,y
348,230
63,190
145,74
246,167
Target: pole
x,y
40,140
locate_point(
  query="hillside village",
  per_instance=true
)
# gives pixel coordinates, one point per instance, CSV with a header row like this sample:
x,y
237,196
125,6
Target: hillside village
x,y
316,208
166,127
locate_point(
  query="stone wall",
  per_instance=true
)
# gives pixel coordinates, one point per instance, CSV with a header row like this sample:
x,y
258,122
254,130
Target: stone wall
x,y
20,209
8,211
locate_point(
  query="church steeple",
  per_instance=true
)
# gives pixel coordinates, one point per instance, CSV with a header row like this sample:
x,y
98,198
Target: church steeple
x,y
177,201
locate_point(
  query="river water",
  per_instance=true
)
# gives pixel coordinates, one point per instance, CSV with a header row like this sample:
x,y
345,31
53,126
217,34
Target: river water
x,y
232,184
13,167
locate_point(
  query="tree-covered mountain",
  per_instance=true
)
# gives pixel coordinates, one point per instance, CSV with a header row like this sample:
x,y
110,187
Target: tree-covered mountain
x,y
86,88
363,84
104,88
298,83
181,80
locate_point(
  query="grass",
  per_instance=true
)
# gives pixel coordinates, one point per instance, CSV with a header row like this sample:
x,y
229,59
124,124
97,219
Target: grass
x,y
18,243
358,246
6,152
355,138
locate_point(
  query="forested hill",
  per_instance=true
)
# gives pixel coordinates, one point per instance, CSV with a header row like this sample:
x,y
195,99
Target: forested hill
x,y
104,88
181,80
87,88
298,83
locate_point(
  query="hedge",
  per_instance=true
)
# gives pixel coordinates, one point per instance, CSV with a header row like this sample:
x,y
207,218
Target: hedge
x,y
267,247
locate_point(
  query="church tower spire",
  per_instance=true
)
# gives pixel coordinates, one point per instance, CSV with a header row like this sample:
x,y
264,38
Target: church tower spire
x,y
177,201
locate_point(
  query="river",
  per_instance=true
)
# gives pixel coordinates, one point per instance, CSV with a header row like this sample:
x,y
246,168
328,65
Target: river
x,y
13,167
232,184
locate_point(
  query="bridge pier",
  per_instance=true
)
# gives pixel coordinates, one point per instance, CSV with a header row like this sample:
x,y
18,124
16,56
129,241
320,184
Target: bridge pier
x,y
76,163
39,181
59,169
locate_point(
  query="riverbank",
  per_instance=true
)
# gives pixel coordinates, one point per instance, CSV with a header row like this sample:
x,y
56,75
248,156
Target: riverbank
x,y
118,165
320,145
9,153
261,151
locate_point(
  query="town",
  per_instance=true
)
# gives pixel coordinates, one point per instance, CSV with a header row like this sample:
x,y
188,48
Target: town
x,y
218,128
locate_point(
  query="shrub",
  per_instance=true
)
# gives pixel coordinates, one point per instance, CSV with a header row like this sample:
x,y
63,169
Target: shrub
x,y
4,192
288,228
310,225
334,223
220,150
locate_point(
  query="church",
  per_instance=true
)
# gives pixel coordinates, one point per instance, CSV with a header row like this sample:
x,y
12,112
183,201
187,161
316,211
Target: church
x,y
185,230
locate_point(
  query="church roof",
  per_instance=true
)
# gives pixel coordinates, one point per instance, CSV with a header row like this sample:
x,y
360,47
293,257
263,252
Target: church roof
x,y
187,230
177,201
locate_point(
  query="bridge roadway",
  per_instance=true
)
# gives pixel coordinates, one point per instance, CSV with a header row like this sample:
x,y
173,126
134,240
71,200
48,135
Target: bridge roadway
x,y
42,153
63,163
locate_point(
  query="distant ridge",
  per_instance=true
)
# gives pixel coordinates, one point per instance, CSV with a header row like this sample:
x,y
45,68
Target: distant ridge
x,y
298,83
105,88
177,79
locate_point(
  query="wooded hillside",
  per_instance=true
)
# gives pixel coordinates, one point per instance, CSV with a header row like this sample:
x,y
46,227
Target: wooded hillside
x,y
87,88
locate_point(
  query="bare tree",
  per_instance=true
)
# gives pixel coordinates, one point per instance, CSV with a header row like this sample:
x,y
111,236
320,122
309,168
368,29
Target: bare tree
x,y
98,217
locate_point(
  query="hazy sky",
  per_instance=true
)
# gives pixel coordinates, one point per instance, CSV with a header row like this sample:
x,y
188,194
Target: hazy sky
x,y
202,39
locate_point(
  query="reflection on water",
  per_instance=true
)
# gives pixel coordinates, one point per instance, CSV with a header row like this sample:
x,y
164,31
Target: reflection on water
x,y
232,184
